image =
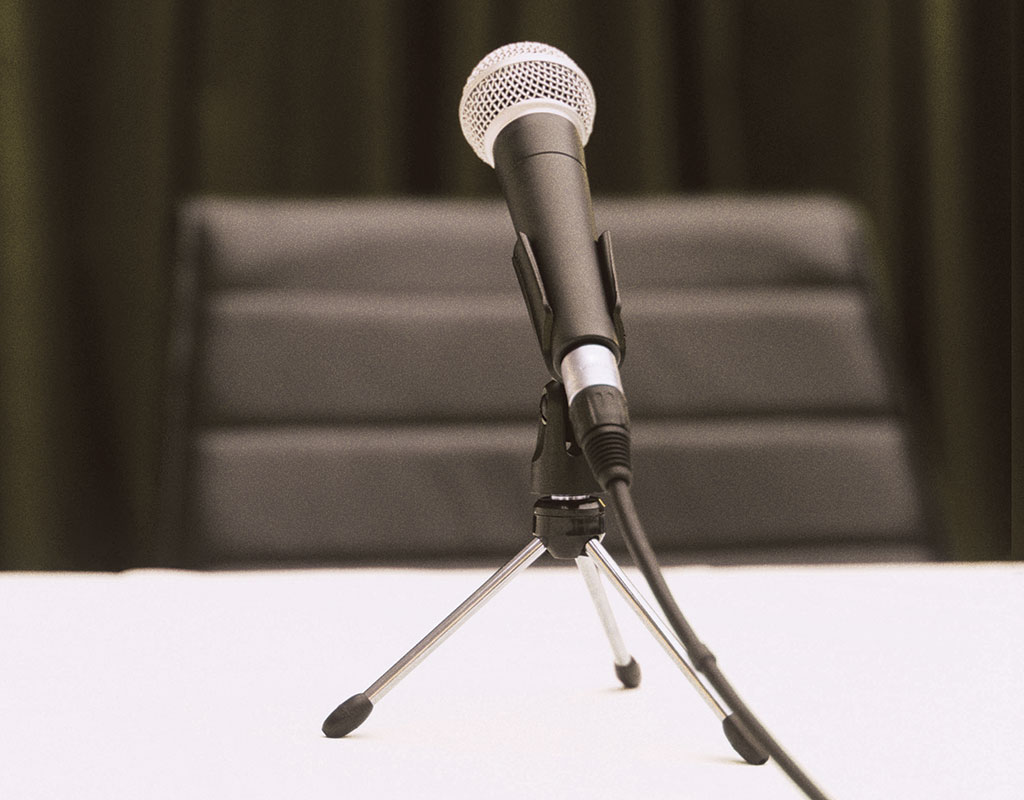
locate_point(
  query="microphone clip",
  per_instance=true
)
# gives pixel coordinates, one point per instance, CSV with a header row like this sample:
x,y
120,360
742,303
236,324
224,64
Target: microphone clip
x,y
531,283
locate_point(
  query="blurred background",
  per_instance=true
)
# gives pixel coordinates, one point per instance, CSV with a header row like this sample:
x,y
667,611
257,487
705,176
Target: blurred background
x,y
113,111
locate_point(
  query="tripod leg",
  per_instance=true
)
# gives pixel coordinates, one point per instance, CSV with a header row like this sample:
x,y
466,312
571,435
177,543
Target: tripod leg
x,y
351,714
626,668
655,624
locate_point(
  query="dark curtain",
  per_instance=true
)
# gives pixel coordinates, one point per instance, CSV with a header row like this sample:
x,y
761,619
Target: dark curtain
x,y
113,111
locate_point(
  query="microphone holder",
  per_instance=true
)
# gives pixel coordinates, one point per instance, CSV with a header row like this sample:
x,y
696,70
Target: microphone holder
x,y
568,522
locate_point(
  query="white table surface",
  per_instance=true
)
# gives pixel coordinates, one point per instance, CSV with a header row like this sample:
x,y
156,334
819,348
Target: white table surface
x,y
883,682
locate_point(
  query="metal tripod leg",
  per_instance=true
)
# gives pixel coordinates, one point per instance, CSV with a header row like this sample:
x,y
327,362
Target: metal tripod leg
x,y
351,714
626,668
655,624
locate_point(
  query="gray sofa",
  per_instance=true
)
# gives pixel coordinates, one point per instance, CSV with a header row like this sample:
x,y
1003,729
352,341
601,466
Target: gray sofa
x,y
357,381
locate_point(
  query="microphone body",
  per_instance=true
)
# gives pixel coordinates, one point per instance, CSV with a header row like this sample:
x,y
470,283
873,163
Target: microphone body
x,y
526,111
541,170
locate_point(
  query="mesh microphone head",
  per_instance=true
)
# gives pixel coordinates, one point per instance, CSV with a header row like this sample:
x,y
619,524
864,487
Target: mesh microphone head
x,y
519,79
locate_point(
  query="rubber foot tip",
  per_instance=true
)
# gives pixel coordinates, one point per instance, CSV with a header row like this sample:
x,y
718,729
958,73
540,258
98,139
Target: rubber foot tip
x,y
742,741
628,674
347,717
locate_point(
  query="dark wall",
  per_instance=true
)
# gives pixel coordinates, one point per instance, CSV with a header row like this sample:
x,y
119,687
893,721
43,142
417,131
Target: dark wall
x,y
113,111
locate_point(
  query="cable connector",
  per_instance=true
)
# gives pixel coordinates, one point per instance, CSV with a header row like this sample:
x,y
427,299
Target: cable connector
x,y
600,420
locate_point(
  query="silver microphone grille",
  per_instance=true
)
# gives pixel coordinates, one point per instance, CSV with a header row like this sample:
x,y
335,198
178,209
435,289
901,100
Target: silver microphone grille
x,y
520,79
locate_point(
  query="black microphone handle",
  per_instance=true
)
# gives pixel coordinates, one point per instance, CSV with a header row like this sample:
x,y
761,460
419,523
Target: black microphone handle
x,y
542,173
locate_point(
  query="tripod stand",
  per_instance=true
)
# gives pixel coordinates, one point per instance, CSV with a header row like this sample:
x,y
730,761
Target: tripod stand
x,y
568,522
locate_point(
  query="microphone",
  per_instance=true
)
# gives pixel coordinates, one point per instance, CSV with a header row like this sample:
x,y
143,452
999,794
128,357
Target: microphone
x,y
528,110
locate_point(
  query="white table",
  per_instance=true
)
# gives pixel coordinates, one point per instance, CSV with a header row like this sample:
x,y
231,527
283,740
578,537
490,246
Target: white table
x,y
883,682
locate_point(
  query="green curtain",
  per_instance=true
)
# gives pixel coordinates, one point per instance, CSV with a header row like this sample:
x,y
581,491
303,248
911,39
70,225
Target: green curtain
x,y
113,111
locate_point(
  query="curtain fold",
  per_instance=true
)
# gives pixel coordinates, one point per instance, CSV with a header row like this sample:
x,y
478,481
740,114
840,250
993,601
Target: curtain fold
x,y
112,113
89,181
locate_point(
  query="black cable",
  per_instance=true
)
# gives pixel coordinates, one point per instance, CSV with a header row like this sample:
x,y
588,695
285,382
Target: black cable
x,y
703,659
